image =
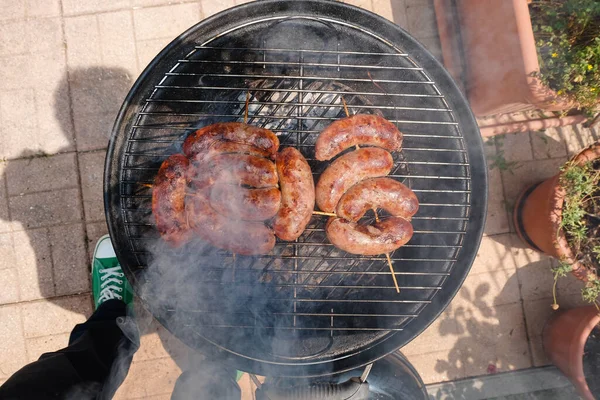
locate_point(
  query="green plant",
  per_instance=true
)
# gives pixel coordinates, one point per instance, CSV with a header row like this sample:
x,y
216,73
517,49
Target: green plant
x,y
559,271
581,223
567,35
591,291
498,160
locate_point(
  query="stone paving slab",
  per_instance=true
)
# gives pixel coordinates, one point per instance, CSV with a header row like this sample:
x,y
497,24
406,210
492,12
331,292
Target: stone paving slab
x,y
65,68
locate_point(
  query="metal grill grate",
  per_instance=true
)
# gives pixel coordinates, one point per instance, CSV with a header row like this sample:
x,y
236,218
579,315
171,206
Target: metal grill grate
x,y
307,300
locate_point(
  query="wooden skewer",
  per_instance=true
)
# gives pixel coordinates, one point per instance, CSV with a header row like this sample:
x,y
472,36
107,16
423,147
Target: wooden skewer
x,y
345,107
146,185
389,260
246,107
325,213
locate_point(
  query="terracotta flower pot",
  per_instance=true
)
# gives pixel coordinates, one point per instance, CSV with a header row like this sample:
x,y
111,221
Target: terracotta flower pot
x,y
538,213
564,338
490,45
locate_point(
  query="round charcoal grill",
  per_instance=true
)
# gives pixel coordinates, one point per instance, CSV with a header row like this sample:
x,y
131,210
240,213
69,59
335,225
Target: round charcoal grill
x,y
306,309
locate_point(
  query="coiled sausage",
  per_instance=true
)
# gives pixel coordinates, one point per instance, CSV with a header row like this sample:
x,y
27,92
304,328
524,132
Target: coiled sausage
x,y
383,236
349,169
360,129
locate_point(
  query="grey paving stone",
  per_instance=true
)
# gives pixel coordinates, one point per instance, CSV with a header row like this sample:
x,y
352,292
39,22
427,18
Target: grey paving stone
x,y
97,95
5,220
34,104
7,252
46,208
210,7
548,144
498,209
45,344
150,3
83,41
43,318
175,19
41,174
516,147
12,9
91,167
148,49
12,346
11,37
117,40
9,282
34,264
72,7
42,8
44,35
95,230
69,259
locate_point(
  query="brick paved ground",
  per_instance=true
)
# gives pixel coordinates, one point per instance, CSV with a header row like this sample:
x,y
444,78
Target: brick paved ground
x,y
65,67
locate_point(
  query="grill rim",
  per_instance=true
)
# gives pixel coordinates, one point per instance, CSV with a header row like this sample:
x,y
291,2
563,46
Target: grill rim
x,y
370,22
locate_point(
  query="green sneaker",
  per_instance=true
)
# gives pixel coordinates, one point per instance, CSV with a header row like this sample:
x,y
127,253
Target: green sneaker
x,y
108,279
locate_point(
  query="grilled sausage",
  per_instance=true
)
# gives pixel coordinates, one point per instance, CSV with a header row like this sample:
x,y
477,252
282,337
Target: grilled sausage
x,y
386,193
201,140
361,129
298,194
236,202
240,237
223,146
349,169
382,237
168,200
235,169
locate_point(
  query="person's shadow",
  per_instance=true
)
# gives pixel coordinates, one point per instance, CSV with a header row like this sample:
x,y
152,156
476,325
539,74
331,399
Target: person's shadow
x,y
53,213
53,198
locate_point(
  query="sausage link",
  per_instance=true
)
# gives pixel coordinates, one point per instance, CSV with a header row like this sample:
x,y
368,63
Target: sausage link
x,y
168,200
236,202
234,169
386,193
297,192
382,237
202,139
223,147
240,237
360,129
349,169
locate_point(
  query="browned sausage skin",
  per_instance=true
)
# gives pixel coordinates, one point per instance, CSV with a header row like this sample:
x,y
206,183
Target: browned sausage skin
x,y
235,169
386,193
201,140
298,194
360,129
222,147
349,169
237,202
168,200
382,237
240,237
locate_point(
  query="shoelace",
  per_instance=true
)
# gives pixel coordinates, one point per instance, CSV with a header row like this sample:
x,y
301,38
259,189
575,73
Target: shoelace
x,y
109,278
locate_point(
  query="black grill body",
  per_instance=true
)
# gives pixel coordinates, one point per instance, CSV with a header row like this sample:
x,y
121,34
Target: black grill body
x,y
306,309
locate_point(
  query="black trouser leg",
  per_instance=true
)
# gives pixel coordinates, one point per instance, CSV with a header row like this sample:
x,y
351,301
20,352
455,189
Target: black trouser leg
x,y
92,367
